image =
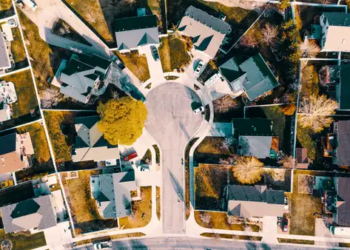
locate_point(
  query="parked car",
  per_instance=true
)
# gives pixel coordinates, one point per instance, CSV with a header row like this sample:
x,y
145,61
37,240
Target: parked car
x,y
143,168
285,203
155,53
130,156
285,225
199,110
199,67
103,245
7,183
279,221
118,62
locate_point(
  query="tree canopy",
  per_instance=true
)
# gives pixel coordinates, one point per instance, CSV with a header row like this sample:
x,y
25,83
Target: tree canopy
x,y
122,120
248,170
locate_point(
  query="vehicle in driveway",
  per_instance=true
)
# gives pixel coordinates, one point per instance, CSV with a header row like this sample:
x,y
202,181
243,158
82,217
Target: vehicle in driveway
x,y
103,245
130,156
7,183
199,110
285,225
118,62
155,53
199,67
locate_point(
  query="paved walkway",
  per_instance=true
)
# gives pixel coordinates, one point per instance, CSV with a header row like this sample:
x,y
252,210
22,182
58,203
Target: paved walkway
x,y
50,11
155,67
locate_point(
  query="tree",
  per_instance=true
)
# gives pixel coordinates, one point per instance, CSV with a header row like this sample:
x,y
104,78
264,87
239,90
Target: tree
x,y
287,162
309,48
50,97
176,33
122,120
284,4
289,109
225,104
249,40
248,170
269,34
315,112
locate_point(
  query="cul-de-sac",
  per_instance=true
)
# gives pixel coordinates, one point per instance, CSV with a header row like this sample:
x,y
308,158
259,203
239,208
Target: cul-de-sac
x,y
174,124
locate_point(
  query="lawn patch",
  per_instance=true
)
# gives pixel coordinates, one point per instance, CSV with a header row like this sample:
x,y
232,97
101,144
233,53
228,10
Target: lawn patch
x,y
136,63
210,182
6,9
90,11
25,93
294,241
158,202
141,213
232,236
213,145
173,53
42,162
24,240
17,46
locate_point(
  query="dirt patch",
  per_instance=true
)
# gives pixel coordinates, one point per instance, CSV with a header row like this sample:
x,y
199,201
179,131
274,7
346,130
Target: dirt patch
x,y
305,183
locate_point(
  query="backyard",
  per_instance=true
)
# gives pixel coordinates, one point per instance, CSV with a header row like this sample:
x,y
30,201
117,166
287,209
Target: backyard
x,y
17,46
6,8
212,149
141,213
26,96
84,210
45,59
173,53
210,181
42,162
136,63
24,240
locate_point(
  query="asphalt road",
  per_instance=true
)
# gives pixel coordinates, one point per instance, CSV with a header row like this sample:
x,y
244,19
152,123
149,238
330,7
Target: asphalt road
x,y
195,243
172,122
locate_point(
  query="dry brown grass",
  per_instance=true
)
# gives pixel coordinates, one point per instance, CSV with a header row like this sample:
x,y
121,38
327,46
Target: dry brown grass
x,y
305,184
139,208
212,145
17,47
137,64
158,202
91,12
232,236
5,4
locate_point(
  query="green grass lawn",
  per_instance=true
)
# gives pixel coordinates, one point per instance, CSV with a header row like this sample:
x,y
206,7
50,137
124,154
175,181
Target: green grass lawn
x,y
137,64
25,93
17,46
173,53
23,241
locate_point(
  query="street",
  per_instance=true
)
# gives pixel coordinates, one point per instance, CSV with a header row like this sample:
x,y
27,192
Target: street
x,y
172,122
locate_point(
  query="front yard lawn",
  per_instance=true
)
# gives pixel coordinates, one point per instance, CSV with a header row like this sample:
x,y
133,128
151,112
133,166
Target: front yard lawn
x,y
158,202
17,46
173,53
42,163
137,64
84,210
232,236
210,181
26,96
24,241
141,211
213,145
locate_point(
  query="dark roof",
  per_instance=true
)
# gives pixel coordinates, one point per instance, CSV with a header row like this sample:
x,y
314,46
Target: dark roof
x,y
88,121
208,20
7,143
343,214
24,208
76,66
343,137
94,60
16,193
135,23
252,126
257,193
337,18
344,87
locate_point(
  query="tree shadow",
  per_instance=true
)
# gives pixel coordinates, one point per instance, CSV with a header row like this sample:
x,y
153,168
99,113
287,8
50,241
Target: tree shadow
x,y
177,186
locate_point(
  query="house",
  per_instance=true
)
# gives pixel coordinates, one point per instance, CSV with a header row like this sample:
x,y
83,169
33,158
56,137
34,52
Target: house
x,y
8,96
83,77
131,33
207,32
342,201
337,144
251,76
254,136
15,152
335,35
5,46
112,193
89,143
254,201
302,161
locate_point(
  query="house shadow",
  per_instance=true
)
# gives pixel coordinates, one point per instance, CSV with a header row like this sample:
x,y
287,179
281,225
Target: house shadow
x,y
23,119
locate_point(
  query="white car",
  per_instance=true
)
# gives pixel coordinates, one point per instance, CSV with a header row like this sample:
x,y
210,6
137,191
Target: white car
x,y
199,110
103,245
199,67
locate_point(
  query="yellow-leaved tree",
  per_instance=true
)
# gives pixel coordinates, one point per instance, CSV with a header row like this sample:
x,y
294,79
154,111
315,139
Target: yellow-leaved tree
x,y
122,120
248,169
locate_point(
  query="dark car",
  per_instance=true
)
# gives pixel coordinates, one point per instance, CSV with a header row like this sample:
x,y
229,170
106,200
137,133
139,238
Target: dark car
x,y
155,53
285,225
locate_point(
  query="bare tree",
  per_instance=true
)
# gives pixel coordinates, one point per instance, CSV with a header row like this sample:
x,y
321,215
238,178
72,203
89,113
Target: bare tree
x,y
176,33
205,217
227,143
248,170
50,97
309,48
287,161
130,2
315,112
226,161
269,34
249,40
224,104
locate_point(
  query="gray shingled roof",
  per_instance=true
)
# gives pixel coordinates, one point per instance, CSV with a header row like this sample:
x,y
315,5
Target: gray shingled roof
x,y
29,214
343,211
337,18
221,129
7,143
343,137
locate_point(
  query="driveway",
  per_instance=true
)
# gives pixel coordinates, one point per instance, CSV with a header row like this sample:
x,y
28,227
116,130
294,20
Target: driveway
x,y
172,122
155,67
59,205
